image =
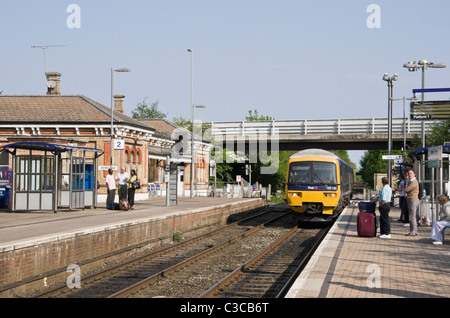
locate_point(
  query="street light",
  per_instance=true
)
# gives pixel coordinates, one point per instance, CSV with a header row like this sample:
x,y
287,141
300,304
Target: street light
x,y
390,81
192,132
121,70
422,64
404,121
192,121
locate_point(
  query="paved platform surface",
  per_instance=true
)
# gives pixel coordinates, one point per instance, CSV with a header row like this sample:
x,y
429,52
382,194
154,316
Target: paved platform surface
x,y
24,228
346,265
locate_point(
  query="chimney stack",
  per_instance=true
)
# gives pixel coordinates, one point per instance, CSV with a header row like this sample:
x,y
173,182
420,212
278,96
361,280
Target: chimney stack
x,y
53,79
118,103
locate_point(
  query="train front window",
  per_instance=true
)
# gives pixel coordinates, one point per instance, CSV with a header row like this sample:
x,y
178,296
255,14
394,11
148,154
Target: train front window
x,y
312,172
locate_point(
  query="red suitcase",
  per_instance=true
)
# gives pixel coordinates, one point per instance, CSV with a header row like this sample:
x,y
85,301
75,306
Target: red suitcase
x,y
366,224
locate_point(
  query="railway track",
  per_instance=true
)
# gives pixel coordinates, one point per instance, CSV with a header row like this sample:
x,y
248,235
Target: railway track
x,y
190,268
193,276
270,273
107,282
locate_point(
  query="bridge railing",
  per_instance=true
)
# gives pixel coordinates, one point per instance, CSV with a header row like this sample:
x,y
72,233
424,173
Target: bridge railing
x,y
319,127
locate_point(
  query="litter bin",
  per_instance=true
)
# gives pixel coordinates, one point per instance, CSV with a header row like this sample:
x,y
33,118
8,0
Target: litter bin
x,y
5,196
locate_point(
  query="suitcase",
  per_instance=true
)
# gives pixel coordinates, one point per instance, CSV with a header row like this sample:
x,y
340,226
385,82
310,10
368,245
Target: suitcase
x,y
367,206
366,224
124,205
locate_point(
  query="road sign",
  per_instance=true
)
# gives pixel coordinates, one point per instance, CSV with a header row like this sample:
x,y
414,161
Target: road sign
x,y
430,110
392,157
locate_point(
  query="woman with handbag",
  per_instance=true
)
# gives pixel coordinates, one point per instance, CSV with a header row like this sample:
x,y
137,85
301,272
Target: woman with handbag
x,y
132,188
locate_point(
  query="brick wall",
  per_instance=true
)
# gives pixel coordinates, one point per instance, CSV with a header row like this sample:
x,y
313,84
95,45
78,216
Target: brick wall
x,y
43,264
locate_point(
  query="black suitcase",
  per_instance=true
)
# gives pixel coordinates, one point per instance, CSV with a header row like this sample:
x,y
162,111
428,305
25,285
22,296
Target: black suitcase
x,y
367,206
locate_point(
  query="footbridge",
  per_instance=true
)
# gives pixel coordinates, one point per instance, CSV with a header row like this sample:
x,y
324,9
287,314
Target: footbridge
x,y
329,134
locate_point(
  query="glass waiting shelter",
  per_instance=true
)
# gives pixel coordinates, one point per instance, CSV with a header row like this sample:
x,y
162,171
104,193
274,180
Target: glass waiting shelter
x,y
432,168
48,176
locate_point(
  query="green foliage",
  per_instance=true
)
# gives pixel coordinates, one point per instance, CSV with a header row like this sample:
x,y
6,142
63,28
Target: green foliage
x,y
144,110
372,162
182,122
439,134
254,116
177,237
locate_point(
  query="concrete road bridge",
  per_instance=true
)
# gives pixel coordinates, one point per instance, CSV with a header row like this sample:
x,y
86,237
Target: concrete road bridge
x,y
329,134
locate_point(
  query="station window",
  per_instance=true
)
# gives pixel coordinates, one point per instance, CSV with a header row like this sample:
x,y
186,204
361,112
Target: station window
x,y
34,173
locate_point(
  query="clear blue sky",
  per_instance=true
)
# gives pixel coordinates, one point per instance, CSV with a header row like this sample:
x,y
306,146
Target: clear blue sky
x,y
289,59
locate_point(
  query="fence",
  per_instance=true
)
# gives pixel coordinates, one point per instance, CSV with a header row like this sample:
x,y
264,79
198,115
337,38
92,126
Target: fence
x,y
319,127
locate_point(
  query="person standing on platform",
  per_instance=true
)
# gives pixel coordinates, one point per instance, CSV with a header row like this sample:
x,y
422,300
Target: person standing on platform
x,y
412,199
384,207
403,205
444,220
131,190
122,178
110,189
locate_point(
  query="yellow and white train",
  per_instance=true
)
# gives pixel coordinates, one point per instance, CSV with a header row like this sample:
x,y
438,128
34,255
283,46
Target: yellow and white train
x,y
318,184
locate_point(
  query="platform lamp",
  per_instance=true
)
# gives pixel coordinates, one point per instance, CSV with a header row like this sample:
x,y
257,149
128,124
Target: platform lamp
x,y
192,121
390,81
121,70
422,64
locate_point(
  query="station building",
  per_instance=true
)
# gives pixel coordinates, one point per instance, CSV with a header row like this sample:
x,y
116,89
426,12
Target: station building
x,y
82,123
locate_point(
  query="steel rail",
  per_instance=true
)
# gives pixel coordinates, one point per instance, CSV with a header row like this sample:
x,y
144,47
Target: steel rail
x,y
58,289
162,274
214,290
302,265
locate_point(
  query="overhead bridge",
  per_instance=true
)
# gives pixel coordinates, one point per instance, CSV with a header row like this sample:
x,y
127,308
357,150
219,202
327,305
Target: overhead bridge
x,y
329,134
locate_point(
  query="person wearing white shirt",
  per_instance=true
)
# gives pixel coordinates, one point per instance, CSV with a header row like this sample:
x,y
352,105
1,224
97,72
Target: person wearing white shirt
x,y
444,220
122,178
110,188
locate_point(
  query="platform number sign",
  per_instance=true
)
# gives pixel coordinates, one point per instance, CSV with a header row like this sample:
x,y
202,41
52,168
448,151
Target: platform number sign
x,y
119,144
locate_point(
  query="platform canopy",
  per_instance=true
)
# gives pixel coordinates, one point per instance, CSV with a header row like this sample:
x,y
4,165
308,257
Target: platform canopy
x,y
424,150
45,146
49,182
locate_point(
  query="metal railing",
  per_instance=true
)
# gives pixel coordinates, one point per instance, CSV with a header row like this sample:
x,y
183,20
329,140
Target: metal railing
x,y
319,127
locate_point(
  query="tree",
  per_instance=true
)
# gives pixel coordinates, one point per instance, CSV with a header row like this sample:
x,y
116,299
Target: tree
x,y
255,117
371,163
182,122
439,134
143,110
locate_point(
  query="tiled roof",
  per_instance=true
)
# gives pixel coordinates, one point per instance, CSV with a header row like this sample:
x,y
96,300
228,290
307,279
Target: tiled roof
x,y
62,109
161,125
168,129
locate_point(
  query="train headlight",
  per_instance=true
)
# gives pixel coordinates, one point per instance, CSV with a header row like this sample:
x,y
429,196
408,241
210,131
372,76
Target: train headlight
x,y
329,195
295,194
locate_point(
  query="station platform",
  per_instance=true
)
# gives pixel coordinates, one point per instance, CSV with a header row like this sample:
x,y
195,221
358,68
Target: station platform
x,y
348,266
37,247
19,229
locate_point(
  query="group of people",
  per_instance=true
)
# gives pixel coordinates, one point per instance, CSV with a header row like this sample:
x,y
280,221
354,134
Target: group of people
x,y
125,186
409,204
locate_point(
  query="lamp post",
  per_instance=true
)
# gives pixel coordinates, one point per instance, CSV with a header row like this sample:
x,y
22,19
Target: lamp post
x,y
390,81
192,132
424,65
404,121
122,70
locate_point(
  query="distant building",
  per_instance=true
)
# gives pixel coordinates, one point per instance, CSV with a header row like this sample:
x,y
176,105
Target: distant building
x,y
202,149
79,120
